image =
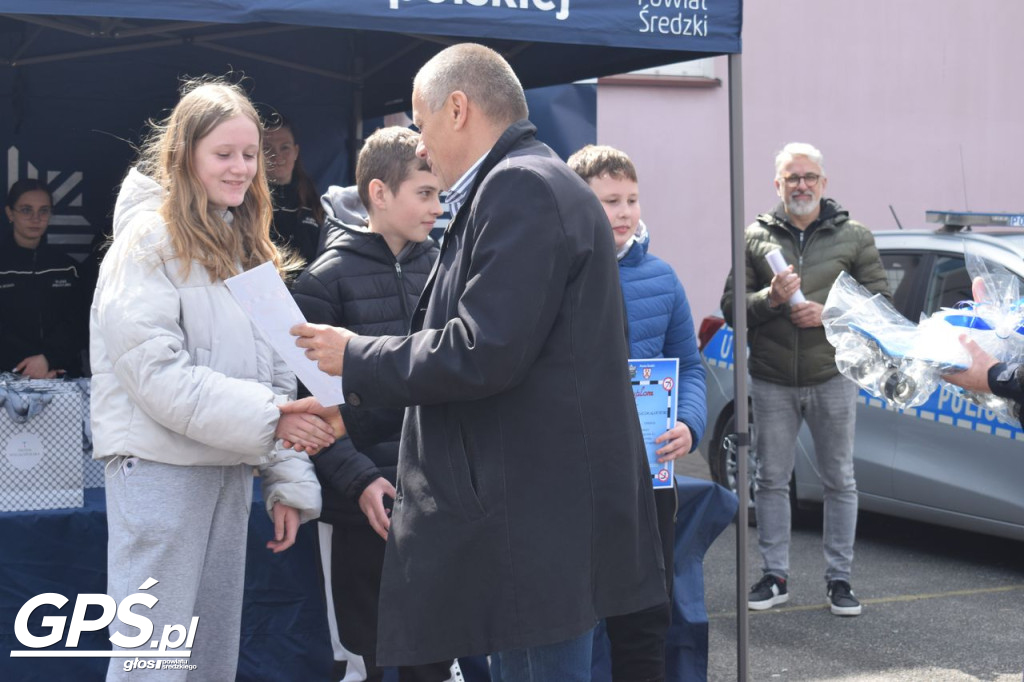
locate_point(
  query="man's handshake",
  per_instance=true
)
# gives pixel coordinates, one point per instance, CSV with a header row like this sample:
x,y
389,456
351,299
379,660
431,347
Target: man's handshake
x,y
307,426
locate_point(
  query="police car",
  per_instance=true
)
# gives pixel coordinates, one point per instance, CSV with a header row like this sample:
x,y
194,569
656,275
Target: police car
x,y
946,462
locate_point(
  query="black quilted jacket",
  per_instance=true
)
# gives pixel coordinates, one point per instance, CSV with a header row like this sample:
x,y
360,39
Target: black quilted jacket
x,y
357,283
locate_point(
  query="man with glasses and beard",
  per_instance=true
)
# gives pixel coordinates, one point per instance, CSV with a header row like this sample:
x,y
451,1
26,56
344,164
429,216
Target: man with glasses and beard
x,y
794,378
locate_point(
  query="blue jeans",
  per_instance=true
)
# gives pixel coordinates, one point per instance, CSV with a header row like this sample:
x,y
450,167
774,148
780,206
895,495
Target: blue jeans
x,y
566,661
830,412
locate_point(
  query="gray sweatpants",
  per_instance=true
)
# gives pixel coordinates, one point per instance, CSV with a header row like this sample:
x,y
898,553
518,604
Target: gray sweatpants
x,y
186,527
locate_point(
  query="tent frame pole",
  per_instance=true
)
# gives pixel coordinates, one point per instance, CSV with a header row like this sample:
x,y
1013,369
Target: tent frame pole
x,y
739,269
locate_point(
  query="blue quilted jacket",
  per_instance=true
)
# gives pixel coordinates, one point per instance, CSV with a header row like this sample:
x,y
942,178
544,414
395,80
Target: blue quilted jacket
x,y
661,326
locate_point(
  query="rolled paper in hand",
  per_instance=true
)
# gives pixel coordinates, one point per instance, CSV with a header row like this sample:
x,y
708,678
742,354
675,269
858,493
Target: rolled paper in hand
x,y
778,264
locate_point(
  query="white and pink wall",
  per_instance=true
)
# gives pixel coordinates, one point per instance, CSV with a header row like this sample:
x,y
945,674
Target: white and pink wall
x,y
914,103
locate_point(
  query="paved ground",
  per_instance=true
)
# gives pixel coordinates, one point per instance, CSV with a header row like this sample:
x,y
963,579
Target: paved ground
x,y
939,606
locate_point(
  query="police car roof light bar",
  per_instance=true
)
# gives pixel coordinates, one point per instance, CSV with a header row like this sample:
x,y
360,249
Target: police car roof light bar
x,y
957,221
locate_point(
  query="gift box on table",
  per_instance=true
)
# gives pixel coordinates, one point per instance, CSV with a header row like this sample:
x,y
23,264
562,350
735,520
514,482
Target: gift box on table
x,y
40,445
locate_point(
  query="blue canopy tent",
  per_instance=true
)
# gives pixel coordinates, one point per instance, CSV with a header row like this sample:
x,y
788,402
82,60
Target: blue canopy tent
x,y
78,79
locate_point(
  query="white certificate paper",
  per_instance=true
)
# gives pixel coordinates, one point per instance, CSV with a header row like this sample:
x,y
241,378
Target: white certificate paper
x,y
265,299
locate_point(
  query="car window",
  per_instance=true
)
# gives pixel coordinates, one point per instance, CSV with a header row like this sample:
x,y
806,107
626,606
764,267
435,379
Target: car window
x,y
949,284
900,269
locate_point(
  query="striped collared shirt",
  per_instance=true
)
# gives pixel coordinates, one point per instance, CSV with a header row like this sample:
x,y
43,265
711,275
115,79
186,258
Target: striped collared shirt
x,y
456,196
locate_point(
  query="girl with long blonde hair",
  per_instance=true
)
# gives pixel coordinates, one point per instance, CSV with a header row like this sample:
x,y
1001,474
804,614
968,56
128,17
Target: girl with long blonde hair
x,y
186,392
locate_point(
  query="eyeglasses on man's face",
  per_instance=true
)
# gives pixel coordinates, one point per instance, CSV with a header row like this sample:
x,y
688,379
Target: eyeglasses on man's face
x,y
810,179
28,211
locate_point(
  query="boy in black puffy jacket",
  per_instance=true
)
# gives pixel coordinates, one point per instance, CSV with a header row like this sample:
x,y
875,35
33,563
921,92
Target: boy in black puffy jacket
x,y
368,279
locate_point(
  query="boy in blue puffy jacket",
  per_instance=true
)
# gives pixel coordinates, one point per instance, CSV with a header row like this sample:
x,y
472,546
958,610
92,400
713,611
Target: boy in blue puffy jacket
x,y
660,325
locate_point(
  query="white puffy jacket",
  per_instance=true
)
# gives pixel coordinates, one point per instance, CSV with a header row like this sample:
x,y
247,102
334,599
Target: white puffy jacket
x,y
180,375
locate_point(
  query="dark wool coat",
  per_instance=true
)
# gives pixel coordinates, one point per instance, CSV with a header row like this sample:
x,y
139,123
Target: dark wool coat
x,y
357,283
524,511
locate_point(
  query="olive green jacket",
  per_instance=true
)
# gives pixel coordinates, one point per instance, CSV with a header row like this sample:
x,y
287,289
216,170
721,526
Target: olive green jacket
x,y
780,352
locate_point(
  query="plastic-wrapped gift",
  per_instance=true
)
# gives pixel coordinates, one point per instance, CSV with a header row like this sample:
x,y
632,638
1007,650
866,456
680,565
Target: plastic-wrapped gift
x,y
40,444
901,362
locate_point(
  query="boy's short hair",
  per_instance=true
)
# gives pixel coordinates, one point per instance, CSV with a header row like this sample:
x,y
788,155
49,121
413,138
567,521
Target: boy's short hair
x,y
389,155
596,160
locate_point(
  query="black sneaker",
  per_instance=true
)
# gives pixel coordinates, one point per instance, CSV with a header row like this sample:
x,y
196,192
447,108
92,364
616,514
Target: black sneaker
x,y
767,592
841,600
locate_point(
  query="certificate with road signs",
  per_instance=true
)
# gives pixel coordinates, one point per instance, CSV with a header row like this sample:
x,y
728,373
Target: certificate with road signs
x,y
654,387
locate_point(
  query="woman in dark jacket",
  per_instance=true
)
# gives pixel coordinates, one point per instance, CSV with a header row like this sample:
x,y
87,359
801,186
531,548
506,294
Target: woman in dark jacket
x,y
43,308
298,214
